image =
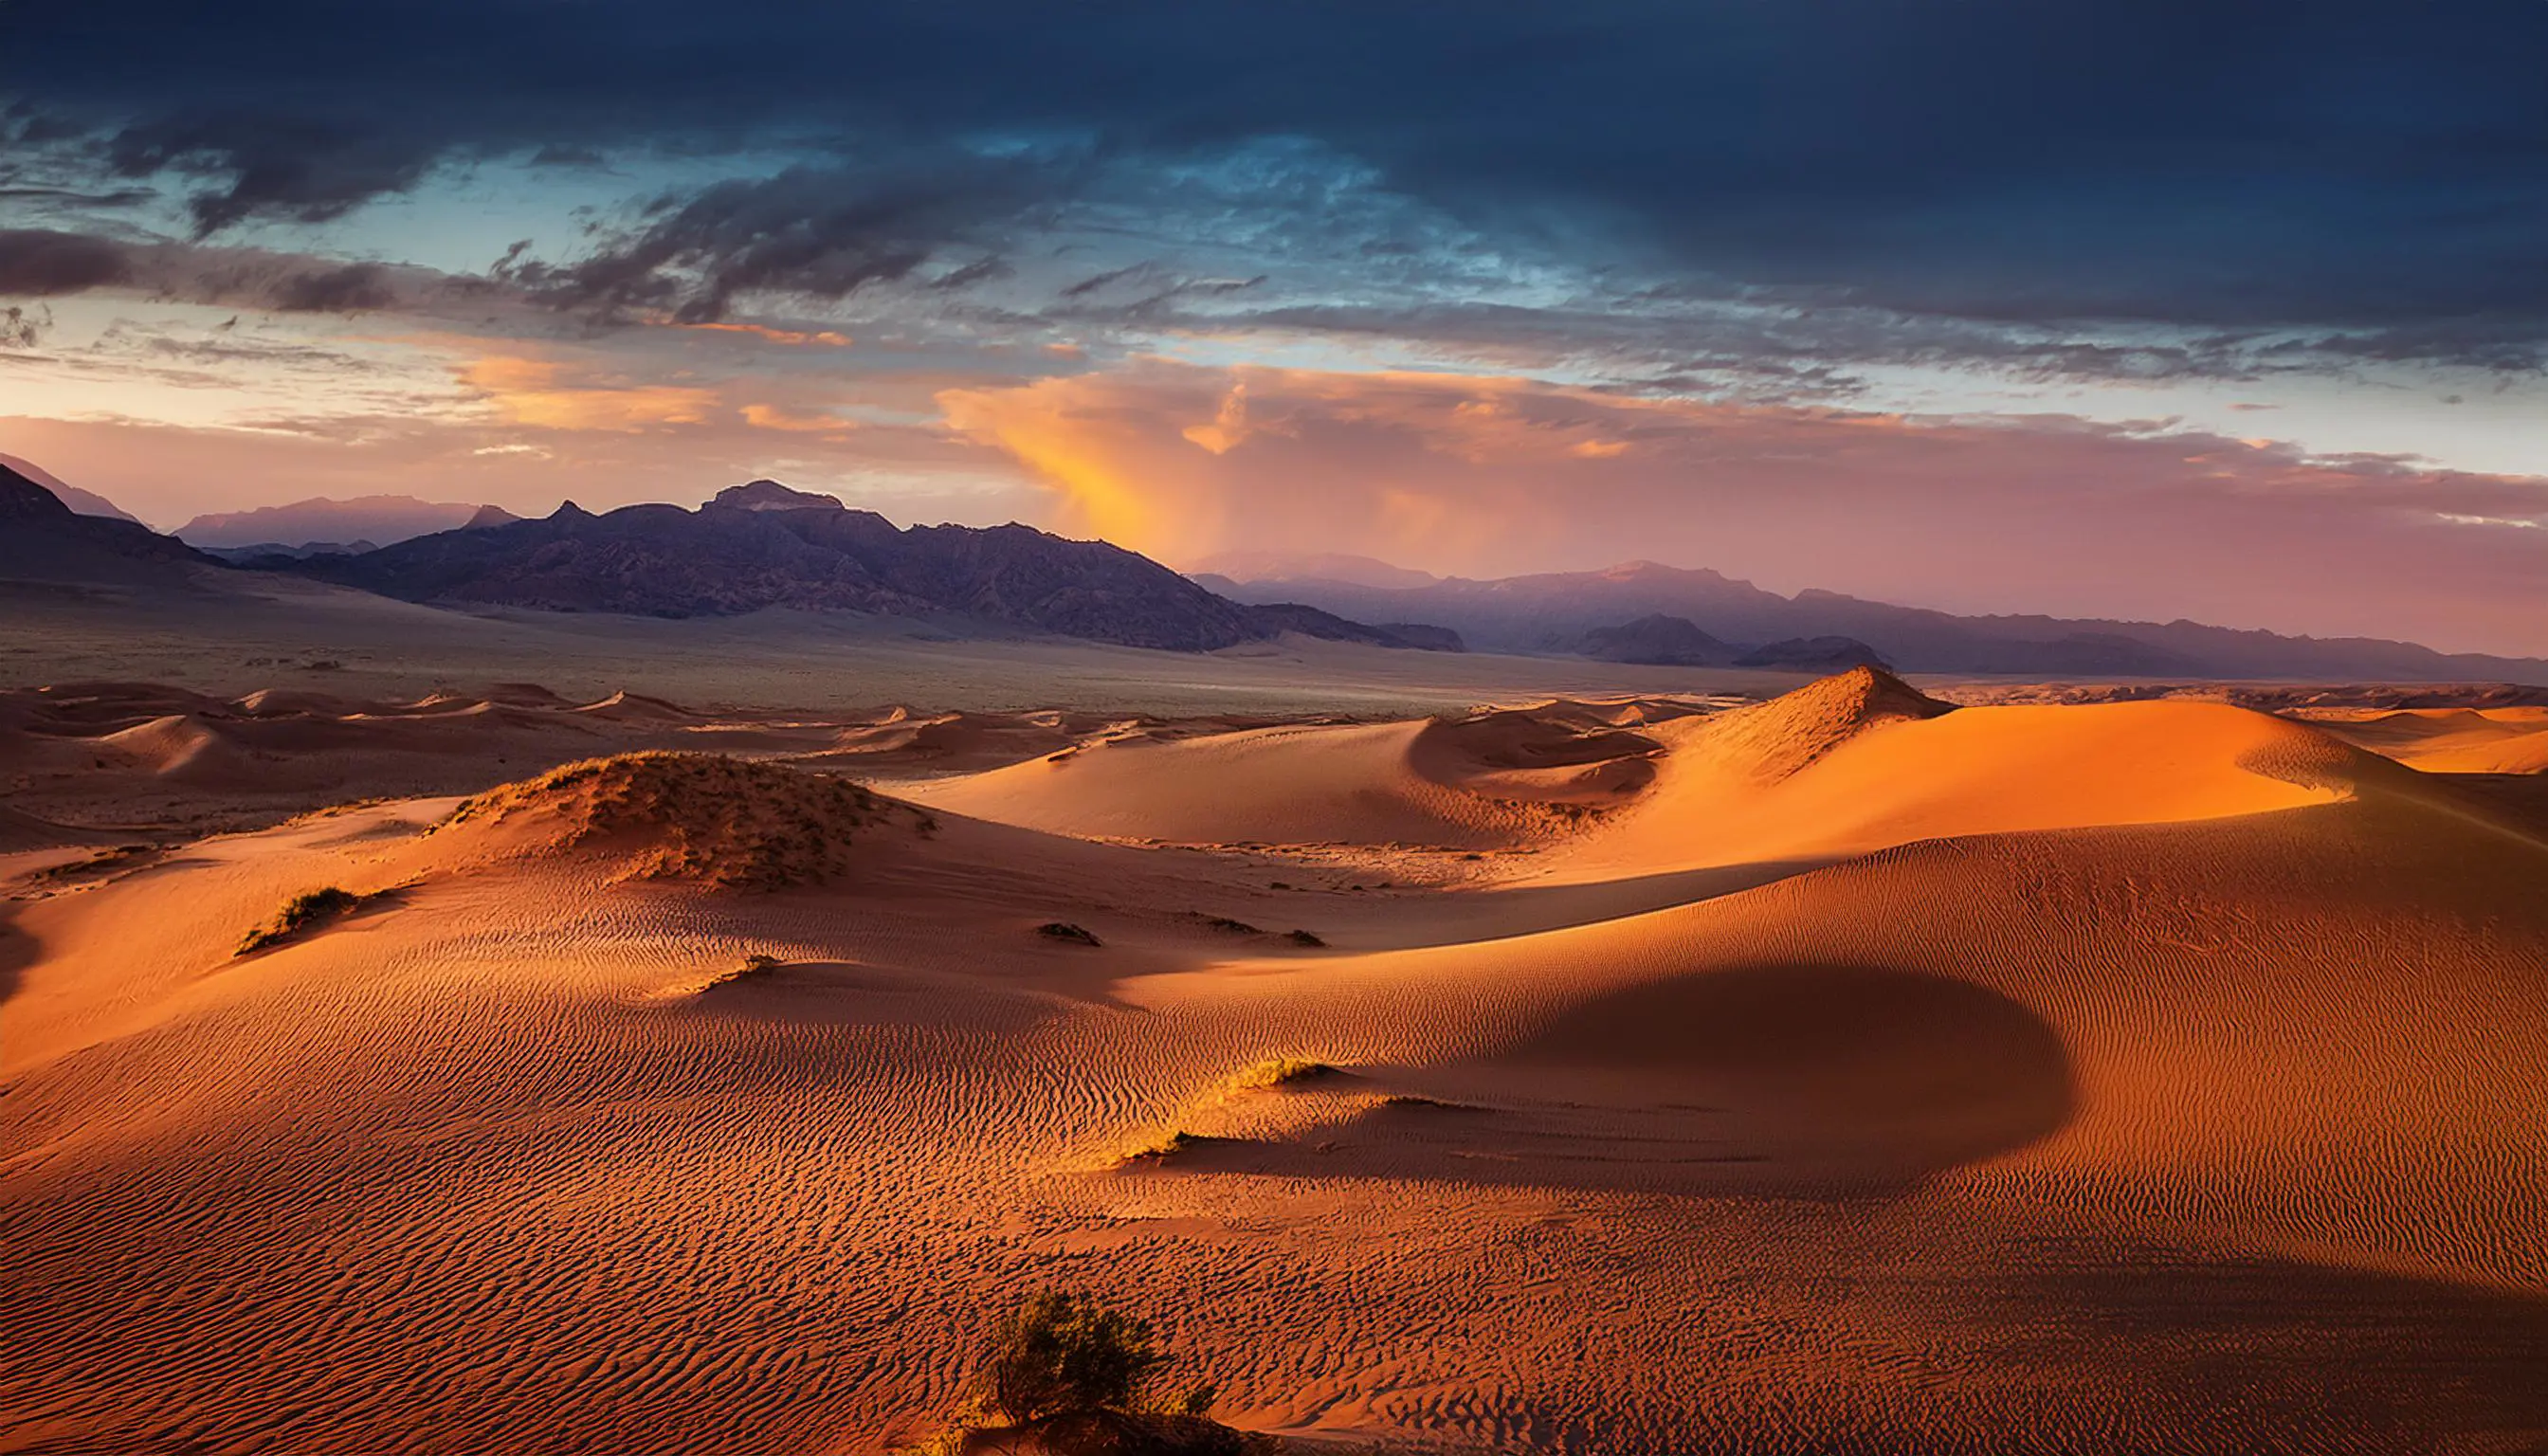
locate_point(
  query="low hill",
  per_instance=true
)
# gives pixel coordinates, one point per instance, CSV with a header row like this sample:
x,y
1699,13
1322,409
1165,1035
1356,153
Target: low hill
x,y
1813,655
42,539
81,503
1659,640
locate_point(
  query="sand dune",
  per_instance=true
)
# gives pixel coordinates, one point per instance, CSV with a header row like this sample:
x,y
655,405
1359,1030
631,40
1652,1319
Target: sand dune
x,y
2451,739
1496,779
1836,1075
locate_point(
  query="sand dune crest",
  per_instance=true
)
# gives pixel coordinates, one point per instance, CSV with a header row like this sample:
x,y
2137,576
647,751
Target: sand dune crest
x,y
700,818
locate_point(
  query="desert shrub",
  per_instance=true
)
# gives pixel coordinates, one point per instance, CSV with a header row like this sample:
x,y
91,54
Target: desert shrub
x,y
754,968
297,915
1065,1352
1166,1146
1280,1070
1062,930
1305,939
1066,1376
1227,925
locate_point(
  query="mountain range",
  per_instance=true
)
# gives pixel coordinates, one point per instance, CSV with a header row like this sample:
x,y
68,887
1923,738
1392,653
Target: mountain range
x,y
1560,612
307,526
763,545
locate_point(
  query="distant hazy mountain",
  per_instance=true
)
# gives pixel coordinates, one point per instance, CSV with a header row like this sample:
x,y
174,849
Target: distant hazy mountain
x,y
1555,613
1819,655
1294,566
42,539
81,503
249,555
763,545
387,519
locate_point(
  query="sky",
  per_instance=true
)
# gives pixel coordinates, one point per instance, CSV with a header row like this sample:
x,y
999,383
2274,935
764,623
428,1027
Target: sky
x,y
2236,311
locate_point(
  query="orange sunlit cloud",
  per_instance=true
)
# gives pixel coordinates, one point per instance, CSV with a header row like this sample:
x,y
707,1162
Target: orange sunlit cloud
x,y
825,338
779,417
544,395
1488,476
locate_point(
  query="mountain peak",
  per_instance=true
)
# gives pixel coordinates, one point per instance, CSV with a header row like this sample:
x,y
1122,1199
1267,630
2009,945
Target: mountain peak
x,y
771,496
489,515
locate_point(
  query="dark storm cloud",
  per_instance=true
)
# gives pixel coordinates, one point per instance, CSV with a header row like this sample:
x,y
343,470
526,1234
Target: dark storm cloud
x,y
35,263
822,233
299,170
40,264
2227,165
352,289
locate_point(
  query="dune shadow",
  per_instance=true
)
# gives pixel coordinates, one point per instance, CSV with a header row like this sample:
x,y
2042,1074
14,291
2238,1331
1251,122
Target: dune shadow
x,y
1526,909
18,951
1793,1080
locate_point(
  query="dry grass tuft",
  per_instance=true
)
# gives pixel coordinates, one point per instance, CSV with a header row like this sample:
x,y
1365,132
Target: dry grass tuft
x,y
1282,1071
1171,1146
299,913
754,968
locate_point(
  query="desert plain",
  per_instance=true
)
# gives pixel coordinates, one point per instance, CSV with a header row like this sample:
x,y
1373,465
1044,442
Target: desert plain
x,y
715,1026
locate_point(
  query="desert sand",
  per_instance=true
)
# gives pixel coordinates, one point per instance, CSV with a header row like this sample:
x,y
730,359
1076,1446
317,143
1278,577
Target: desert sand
x,y
1836,1072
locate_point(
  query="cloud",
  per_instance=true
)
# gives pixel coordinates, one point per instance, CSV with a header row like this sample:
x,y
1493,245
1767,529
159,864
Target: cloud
x,y
265,165
49,265
1488,476
351,289
779,417
545,395
821,232
38,264
2211,165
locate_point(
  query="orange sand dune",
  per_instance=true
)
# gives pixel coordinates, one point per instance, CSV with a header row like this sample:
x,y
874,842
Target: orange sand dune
x,y
1494,779
2148,1077
2452,740
1851,765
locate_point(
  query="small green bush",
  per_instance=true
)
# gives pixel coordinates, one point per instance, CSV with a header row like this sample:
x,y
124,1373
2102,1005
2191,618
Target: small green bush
x,y
1067,1376
1064,1352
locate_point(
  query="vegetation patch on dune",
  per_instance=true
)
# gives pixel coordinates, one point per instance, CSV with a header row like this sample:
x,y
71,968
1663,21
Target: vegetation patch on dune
x,y
703,818
1283,1071
298,914
1169,1145
754,968
1067,1376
